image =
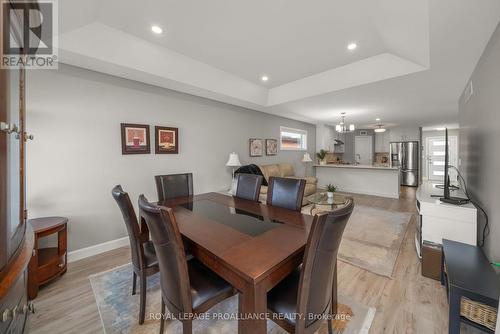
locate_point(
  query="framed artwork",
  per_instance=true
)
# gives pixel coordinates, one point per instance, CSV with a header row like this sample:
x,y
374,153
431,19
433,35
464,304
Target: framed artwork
x,y
256,147
135,139
271,146
166,140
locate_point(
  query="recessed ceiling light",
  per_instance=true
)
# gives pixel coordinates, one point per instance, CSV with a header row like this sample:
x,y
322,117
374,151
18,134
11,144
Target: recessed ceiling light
x,y
156,29
264,78
377,119
352,46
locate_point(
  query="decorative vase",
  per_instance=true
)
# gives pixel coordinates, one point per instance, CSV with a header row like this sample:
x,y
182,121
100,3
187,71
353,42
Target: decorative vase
x,y
322,162
329,194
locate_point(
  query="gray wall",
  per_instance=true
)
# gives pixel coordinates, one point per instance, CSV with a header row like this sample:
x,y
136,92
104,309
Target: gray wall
x,y
76,157
480,139
404,133
349,144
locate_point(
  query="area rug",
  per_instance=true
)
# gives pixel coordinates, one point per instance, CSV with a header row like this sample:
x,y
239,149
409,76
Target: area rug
x,y
119,310
372,238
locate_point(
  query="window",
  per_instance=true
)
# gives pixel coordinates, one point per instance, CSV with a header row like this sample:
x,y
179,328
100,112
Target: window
x,y
293,139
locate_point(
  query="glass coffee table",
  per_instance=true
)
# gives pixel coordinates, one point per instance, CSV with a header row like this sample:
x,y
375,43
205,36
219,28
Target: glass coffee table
x,y
322,202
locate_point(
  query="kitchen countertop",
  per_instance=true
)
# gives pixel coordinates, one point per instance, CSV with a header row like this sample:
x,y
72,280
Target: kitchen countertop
x,y
357,166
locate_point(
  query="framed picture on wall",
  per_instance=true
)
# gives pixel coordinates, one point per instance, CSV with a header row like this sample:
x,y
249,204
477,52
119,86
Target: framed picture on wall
x,y
166,140
135,138
256,147
271,146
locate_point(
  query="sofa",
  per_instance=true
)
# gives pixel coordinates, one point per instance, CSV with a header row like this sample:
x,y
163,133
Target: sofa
x,y
286,170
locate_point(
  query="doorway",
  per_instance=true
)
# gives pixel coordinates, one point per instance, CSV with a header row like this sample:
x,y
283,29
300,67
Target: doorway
x,y
363,150
435,156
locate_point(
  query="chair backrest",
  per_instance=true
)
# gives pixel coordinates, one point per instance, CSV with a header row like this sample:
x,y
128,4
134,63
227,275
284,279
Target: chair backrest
x,y
123,200
167,241
174,185
286,192
249,186
320,259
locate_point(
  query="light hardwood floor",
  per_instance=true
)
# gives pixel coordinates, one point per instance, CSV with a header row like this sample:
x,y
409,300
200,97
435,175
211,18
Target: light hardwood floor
x,y
408,303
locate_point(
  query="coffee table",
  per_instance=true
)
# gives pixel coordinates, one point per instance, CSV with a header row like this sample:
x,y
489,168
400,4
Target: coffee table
x,y
321,201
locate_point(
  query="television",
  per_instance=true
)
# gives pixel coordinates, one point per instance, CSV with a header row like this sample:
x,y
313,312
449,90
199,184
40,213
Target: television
x,y
447,198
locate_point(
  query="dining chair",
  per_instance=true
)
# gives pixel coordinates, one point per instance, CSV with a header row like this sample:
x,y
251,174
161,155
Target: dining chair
x,y
248,186
144,262
286,192
174,185
187,287
310,291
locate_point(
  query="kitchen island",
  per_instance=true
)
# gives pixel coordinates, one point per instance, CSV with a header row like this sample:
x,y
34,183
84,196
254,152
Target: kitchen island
x,y
360,179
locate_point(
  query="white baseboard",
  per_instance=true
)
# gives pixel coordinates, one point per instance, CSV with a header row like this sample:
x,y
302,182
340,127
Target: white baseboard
x,y
97,249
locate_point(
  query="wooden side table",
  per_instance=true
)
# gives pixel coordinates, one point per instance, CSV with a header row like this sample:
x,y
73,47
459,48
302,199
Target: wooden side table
x,y
51,262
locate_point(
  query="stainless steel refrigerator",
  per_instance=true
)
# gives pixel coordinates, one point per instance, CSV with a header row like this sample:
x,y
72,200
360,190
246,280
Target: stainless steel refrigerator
x,y
405,156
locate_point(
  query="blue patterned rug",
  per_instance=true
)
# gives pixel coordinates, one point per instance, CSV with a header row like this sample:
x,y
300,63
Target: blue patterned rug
x,y
119,310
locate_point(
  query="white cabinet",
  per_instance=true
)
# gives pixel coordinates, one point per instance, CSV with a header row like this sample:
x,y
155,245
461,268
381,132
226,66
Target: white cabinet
x,y
324,137
440,221
382,142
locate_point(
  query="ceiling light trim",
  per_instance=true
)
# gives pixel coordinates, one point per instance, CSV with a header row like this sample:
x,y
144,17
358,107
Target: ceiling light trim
x,y
352,46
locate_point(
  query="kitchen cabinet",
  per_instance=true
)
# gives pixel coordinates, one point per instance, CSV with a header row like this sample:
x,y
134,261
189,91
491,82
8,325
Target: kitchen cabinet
x,y
324,137
382,140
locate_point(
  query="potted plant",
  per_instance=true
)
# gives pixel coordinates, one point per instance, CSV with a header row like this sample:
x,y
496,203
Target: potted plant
x,y
330,189
321,156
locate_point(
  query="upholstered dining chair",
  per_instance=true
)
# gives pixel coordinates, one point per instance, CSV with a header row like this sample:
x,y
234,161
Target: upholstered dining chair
x,y
144,262
286,192
174,185
187,287
311,290
248,186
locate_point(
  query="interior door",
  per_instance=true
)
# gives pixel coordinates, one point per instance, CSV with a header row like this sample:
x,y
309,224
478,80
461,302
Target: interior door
x,y
435,149
363,150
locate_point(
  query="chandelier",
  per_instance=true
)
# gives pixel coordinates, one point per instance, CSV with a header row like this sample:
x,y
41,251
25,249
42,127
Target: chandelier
x,y
342,126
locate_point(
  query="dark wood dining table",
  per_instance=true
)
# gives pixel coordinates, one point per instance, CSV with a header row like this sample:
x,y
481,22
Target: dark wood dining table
x,y
251,245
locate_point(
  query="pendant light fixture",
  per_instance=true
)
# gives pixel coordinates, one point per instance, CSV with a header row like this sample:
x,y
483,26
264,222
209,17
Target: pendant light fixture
x,y
379,127
342,126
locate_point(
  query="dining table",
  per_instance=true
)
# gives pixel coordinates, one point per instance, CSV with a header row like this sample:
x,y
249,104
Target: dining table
x,y
251,245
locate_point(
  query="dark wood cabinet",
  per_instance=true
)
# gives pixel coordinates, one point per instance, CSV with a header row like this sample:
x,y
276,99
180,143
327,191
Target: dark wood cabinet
x,y
12,163
16,238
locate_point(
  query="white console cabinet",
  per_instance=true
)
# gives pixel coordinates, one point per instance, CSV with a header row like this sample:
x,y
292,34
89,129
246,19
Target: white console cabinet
x,y
440,221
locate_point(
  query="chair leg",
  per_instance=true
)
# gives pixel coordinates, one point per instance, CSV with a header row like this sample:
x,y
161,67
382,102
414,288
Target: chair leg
x,y
142,307
162,320
333,303
134,282
330,329
187,326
